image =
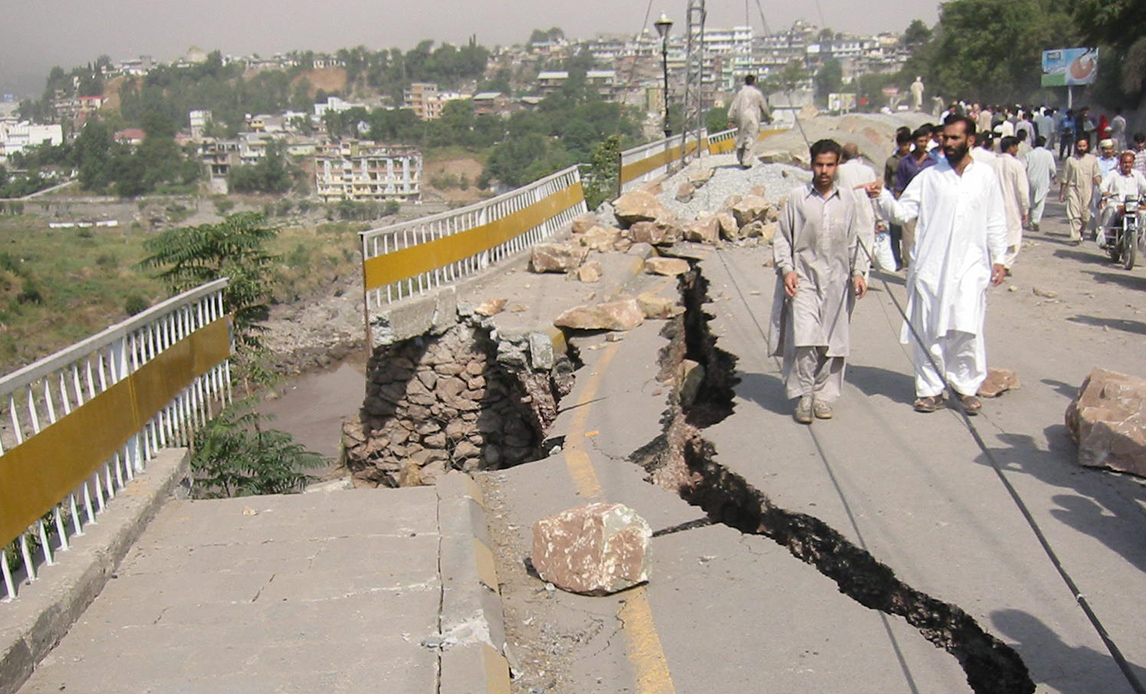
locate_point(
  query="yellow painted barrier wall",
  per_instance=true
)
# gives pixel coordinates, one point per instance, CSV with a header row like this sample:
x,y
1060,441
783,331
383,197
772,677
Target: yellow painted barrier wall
x,y
48,466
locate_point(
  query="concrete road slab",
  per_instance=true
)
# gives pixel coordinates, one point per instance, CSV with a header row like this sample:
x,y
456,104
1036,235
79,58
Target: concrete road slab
x,y
334,591
920,494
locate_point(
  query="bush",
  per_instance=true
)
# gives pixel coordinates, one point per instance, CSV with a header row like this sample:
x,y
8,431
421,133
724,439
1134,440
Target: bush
x,y
224,205
31,293
234,456
108,260
135,304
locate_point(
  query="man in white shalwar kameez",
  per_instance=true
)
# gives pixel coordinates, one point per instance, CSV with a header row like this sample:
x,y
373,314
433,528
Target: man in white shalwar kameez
x,y
1041,171
851,175
818,279
1016,196
745,112
960,241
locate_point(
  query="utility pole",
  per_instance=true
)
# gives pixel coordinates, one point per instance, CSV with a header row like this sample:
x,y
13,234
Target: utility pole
x,y
664,25
694,76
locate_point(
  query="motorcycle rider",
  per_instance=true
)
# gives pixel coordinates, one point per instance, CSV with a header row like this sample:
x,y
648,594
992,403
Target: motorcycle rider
x,y
1120,184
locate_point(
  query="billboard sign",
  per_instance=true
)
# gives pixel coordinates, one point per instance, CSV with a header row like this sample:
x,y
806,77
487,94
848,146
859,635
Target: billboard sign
x,y
1064,67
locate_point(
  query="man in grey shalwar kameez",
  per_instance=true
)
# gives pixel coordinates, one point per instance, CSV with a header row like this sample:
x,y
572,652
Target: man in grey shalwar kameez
x,y
744,113
819,276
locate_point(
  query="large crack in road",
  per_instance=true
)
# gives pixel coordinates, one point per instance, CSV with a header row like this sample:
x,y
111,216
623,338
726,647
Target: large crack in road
x,y
681,460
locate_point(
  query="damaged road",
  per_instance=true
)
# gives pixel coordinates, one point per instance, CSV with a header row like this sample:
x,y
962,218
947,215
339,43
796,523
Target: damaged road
x,y
873,552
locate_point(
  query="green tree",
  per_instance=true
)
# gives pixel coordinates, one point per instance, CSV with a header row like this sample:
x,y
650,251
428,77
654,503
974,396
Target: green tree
x,y
1119,26
235,456
716,120
916,35
989,50
236,248
830,78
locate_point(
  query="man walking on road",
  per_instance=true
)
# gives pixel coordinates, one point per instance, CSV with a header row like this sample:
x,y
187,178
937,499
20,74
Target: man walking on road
x,y
1016,197
919,159
890,169
1079,176
818,280
745,113
1041,173
960,243
851,176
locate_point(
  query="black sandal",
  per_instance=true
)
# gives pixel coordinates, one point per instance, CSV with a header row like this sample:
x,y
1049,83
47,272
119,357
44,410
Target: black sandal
x,y
929,403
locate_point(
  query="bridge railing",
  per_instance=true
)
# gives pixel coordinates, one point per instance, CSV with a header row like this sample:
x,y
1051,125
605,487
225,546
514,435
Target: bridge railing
x,y
725,140
420,255
648,162
75,427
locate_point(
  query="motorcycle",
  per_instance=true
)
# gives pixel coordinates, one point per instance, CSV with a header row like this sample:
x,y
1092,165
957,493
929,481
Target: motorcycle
x,y
1123,240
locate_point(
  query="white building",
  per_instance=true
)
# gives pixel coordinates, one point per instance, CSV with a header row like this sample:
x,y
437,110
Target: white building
x,y
365,171
16,137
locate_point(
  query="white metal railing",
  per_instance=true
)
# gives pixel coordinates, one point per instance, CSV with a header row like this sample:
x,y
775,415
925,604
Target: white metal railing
x,y
180,340
647,162
717,141
420,255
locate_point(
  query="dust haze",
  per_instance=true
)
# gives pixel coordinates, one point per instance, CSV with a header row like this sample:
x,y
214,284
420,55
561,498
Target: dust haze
x,y
67,33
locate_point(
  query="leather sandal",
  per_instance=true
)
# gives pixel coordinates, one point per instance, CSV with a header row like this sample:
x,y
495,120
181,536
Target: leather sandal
x,y
929,403
971,404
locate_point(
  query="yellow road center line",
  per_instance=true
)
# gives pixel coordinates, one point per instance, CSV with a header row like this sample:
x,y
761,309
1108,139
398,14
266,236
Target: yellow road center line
x,y
645,652
576,459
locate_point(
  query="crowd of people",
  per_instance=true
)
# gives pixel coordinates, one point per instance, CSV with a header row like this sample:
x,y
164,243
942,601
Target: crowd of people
x,y
950,207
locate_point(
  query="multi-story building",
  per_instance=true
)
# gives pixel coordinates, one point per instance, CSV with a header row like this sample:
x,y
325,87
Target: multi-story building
x,y
424,99
604,82
551,81
200,121
366,171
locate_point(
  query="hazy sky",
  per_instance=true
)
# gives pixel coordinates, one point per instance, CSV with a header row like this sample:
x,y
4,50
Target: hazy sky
x,y
43,33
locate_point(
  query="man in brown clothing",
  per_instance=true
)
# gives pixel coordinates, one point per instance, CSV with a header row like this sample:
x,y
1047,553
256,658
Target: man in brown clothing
x,y
819,277
1080,175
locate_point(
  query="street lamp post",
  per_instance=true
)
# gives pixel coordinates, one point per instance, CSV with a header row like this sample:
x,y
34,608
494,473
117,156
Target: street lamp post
x,y
663,25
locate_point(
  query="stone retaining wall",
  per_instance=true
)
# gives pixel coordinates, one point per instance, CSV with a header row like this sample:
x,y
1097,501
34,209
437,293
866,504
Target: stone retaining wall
x,y
458,400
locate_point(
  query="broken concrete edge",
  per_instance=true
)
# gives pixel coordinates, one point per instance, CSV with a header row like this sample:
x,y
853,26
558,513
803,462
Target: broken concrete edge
x,y
471,622
46,609
437,309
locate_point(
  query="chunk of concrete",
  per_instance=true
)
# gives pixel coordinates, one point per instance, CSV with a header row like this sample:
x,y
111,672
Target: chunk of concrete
x,y
596,549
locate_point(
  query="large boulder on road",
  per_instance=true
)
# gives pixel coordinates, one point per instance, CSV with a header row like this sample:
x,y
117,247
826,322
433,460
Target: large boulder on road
x,y
596,549
1108,422
638,206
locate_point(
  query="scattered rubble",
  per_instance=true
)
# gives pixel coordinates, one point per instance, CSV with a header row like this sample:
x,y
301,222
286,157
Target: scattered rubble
x,y
638,206
596,549
1108,422
669,267
556,257
999,381
625,314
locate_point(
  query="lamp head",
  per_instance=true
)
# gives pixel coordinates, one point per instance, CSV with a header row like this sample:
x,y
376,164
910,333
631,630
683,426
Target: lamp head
x,y
663,25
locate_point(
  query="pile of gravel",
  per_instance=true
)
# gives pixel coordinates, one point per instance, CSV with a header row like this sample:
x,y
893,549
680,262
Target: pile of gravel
x,y
729,179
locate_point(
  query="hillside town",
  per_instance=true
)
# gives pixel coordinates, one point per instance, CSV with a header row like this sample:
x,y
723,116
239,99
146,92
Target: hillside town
x,y
629,70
